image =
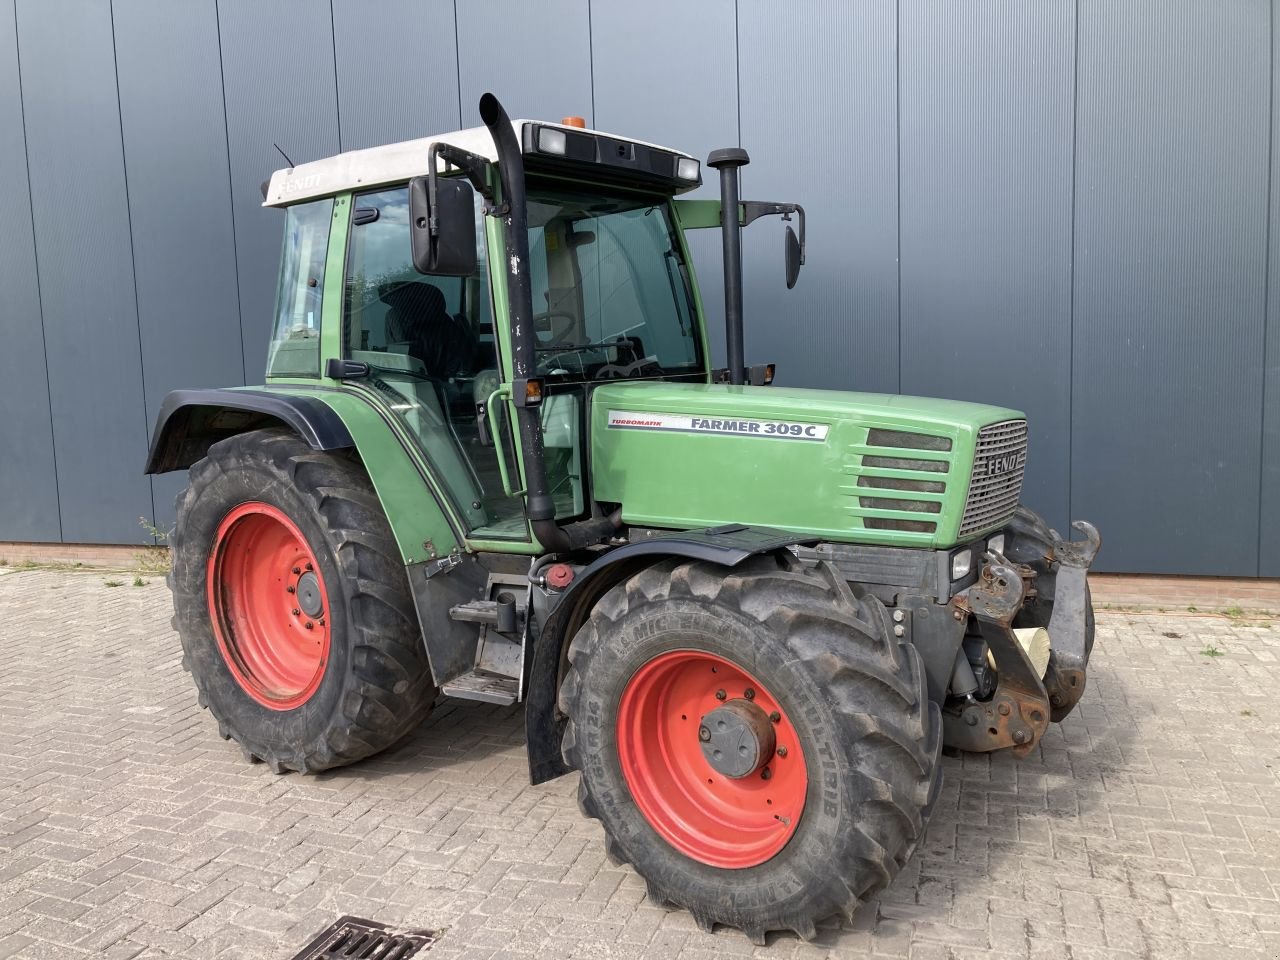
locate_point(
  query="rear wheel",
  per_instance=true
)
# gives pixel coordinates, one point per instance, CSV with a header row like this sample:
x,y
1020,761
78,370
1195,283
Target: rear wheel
x,y
293,607
755,741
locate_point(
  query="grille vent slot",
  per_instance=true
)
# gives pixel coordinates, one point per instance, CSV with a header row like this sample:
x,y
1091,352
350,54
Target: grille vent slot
x,y
911,526
907,440
906,463
897,483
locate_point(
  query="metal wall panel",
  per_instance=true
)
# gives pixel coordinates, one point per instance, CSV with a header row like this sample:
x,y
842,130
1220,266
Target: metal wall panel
x,y
175,145
86,267
397,70
279,89
1170,234
534,57
693,108
28,490
986,130
818,101
1269,522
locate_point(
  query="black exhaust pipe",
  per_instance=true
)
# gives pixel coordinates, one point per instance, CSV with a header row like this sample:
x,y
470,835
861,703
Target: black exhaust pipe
x,y
727,161
540,507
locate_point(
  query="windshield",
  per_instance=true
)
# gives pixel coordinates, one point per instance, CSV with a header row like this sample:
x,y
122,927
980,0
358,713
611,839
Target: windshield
x,y
611,294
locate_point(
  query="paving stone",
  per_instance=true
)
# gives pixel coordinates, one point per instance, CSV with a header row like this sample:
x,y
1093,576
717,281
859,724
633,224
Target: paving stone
x,y
1148,824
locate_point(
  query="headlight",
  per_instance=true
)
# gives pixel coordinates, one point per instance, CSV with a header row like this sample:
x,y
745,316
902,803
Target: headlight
x,y
996,543
551,140
687,169
961,564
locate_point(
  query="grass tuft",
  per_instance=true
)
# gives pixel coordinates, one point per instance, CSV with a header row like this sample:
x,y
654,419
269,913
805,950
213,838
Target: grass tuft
x,y
139,582
1211,651
113,583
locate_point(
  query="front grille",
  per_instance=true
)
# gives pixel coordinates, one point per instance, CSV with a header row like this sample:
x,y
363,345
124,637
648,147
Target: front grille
x,y
896,450
995,485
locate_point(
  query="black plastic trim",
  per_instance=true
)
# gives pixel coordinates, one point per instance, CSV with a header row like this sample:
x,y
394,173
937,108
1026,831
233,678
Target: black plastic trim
x,y
185,429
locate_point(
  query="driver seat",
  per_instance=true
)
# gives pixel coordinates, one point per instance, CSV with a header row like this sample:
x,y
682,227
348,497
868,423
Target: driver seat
x,y
417,316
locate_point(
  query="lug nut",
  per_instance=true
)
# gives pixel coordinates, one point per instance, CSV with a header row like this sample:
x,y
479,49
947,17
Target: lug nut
x,y
1019,736
322,621
310,625
749,693
898,616
766,773
309,567
720,694
704,734
782,751
297,570
775,716
291,589
297,612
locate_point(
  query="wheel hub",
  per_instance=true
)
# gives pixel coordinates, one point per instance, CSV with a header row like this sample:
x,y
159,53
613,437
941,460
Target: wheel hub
x,y
711,758
737,739
309,599
268,606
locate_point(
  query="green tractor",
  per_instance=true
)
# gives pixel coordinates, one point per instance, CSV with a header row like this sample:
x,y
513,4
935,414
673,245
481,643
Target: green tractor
x,y
492,460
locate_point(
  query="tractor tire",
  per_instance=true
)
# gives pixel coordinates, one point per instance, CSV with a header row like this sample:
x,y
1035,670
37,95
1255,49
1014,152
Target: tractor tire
x,y
843,787
293,605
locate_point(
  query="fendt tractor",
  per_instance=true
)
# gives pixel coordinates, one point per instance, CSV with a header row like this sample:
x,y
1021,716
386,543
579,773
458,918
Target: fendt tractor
x,y
492,460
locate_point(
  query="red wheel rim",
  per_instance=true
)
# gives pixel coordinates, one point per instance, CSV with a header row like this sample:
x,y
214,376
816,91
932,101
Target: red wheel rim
x,y
268,605
712,818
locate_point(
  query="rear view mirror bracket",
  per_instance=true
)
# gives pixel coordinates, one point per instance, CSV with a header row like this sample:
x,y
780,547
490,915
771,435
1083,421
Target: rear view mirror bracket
x,y
753,210
793,247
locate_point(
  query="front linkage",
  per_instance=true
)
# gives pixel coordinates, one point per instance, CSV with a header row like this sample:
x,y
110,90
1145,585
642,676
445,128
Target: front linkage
x,y
1019,711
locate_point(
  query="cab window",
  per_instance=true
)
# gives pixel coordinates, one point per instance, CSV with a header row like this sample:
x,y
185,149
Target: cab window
x,y
295,343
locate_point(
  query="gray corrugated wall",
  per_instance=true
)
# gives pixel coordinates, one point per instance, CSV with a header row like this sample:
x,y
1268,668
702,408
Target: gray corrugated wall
x,y
1065,206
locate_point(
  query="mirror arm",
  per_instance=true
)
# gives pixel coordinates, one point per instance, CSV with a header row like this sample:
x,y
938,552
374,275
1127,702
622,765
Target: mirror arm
x,y
473,165
753,210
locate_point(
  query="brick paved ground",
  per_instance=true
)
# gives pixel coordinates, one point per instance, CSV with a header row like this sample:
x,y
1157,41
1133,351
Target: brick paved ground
x,y
1148,825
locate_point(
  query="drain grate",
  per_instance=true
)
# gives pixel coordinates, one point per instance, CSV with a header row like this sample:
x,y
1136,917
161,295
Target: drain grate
x,y
350,938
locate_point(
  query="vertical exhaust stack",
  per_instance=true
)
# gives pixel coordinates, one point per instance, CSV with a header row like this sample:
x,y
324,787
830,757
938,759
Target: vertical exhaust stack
x,y
727,160
540,507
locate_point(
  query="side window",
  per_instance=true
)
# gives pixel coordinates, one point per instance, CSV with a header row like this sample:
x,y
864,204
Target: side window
x,y
295,343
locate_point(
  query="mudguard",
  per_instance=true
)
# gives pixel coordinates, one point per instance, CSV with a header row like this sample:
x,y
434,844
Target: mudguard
x,y
190,421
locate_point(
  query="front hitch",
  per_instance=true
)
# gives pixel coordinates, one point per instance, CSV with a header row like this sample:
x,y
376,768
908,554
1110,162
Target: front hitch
x,y
1065,679
1017,714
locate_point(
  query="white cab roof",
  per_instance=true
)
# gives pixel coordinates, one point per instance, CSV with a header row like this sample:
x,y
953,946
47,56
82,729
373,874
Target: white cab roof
x,y
392,163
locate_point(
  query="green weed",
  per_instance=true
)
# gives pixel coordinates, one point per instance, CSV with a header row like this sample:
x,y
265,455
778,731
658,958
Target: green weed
x,y
1211,651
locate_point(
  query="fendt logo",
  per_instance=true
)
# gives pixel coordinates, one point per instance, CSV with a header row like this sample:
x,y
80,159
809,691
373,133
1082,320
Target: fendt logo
x,y
997,466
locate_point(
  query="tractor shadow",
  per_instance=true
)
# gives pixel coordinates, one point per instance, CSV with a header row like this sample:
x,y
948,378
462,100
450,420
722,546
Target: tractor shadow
x,y
1006,827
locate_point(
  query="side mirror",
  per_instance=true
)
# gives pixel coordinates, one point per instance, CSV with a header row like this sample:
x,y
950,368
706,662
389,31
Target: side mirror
x,y
442,228
794,258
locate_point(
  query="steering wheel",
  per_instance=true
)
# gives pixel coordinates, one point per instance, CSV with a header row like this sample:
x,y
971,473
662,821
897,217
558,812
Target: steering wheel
x,y
617,371
550,315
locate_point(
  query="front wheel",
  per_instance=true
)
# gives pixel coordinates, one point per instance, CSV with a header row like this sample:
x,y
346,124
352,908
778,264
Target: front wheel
x,y
293,606
755,741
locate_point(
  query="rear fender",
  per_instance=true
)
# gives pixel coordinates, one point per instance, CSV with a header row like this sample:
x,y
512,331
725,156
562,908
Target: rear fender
x,y
190,421
727,546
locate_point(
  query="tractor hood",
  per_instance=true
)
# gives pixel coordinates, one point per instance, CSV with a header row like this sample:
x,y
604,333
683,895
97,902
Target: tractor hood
x,y
857,467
